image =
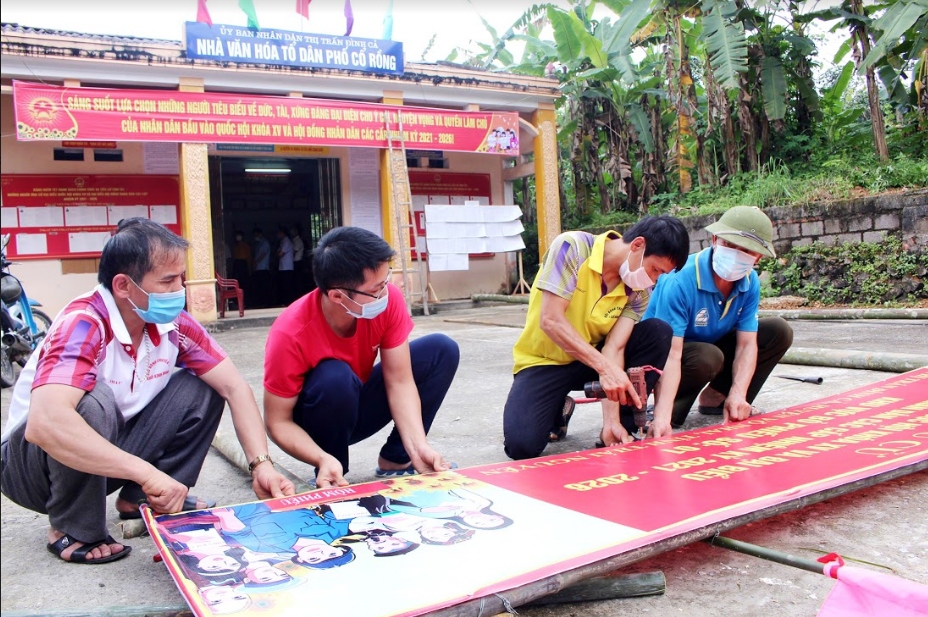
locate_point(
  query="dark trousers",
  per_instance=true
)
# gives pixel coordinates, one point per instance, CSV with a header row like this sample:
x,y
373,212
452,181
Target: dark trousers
x,y
336,409
287,290
537,395
261,294
173,433
711,363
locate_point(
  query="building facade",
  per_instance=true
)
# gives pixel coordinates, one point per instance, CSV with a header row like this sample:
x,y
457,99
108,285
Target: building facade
x,y
96,128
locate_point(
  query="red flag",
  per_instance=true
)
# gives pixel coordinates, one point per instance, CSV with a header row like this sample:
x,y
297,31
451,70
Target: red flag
x,y
859,592
349,18
302,7
203,13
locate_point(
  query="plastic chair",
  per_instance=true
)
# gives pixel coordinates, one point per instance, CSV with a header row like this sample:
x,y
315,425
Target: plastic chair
x,y
229,290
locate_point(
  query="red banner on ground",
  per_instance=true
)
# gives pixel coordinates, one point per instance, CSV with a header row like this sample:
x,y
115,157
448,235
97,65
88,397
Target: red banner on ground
x,y
88,114
528,520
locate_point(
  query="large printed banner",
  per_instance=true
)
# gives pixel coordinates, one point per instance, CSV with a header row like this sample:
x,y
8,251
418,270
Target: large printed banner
x,y
60,113
407,538
288,48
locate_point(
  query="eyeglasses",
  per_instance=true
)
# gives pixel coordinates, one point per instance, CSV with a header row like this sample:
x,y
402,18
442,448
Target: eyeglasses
x,y
749,236
376,296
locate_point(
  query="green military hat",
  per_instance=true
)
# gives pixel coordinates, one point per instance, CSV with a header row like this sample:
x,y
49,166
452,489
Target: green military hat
x,y
747,227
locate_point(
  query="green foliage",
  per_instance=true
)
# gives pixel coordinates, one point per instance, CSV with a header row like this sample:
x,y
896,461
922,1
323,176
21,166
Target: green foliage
x,y
868,173
839,177
725,43
865,273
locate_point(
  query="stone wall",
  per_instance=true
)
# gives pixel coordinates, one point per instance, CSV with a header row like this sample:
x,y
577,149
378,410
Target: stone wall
x,y
865,219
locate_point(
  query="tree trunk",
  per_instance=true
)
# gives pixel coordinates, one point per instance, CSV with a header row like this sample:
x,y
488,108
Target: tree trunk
x,y
877,122
746,121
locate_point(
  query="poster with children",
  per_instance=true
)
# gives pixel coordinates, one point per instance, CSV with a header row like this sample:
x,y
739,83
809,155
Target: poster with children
x,y
411,545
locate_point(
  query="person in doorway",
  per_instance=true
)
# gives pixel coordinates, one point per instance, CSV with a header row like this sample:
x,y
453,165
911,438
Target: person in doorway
x,y
711,304
299,269
583,324
98,408
261,277
286,284
323,391
241,260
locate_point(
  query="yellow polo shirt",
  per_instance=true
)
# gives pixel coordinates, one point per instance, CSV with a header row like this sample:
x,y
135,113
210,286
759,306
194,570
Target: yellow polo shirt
x,y
572,269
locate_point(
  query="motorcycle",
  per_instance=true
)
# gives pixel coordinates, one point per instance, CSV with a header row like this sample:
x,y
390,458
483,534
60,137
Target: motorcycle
x,y
23,326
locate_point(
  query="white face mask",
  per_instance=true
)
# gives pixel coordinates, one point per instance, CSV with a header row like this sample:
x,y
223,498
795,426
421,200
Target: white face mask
x,y
637,280
371,309
731,264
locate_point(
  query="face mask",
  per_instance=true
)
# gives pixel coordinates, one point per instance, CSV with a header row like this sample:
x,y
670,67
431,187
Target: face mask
x,y
731,264
637,280
371,309
162,307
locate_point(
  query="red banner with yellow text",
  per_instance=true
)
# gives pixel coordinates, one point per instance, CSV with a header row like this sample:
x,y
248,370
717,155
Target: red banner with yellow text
x,y
94,114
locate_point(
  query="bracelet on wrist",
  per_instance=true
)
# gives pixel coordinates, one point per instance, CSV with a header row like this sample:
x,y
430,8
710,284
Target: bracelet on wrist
x,y
257,461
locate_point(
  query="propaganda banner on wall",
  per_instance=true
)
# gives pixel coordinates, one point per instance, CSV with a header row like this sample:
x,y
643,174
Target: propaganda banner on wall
x,y
287,48
527,520
53,113
63,216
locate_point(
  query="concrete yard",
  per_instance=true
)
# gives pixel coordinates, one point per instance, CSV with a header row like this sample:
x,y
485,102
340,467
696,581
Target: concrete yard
x,y
882,527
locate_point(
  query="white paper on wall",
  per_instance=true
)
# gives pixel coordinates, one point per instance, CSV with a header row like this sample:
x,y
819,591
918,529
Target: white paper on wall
x,y
45,216
9,218
444,263
31,244
85,216
87,241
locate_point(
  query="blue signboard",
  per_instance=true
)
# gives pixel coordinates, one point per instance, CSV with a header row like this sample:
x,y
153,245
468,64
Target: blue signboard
x,y
286,48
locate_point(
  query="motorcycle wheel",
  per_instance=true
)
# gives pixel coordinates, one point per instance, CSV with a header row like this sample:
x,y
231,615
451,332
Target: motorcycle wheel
x,y
7,377
42,324
42,321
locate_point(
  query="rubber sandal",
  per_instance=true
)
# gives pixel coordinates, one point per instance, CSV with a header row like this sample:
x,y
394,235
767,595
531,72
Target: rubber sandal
x,y
395,473
711,411
80,554
560,432
399,473
190,503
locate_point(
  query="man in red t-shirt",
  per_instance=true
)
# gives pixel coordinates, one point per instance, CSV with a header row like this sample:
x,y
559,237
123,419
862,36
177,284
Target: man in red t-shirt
x,y
322,389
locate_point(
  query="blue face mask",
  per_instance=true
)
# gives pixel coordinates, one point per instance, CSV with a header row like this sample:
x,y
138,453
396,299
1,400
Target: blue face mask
x,y
731,264
162,307
371,309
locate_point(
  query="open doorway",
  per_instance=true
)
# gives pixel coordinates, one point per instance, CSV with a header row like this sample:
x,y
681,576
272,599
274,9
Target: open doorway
x,y
264,209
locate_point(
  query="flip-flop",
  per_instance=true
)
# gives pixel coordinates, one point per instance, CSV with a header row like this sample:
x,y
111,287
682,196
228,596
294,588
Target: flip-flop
x,y
190,503
560,432
398,473
711,411
80,554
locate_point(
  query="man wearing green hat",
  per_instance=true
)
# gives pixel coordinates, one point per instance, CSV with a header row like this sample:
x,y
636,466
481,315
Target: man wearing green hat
x,y
711,306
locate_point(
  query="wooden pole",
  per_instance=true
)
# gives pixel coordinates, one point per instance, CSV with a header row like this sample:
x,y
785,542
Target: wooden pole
x,y
769,554
608,587
521,287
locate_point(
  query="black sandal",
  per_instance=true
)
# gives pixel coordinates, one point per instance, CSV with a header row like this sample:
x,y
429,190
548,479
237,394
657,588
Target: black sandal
x,y
560,432
80,554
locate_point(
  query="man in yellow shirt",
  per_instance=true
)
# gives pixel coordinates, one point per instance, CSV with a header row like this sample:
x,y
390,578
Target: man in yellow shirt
x,y
584,324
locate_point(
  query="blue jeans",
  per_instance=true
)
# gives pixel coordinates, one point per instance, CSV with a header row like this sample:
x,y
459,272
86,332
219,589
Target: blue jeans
x,y
336,409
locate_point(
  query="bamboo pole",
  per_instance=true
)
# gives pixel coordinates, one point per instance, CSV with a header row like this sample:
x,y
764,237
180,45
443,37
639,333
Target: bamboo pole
x,y
769,554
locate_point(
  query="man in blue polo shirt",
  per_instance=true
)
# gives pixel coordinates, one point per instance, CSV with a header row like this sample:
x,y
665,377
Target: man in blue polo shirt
x,y
711,305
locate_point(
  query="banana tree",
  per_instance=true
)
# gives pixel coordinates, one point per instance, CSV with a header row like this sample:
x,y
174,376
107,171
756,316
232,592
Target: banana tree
x,y
901,48
855,18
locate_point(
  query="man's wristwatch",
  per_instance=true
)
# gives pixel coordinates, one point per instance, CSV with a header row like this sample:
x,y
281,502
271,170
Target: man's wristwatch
x,y
257,461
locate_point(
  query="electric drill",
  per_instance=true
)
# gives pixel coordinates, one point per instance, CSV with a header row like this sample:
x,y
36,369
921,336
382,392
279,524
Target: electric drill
x,y
636,375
